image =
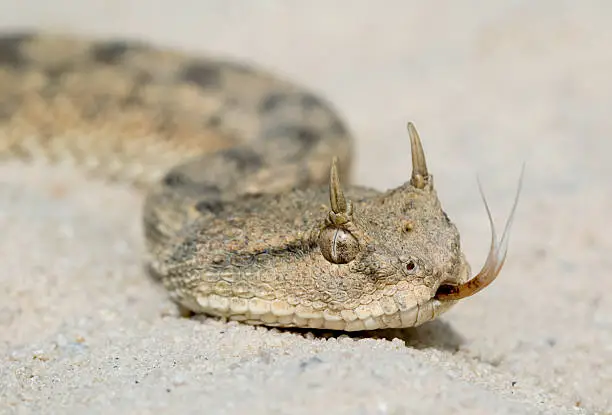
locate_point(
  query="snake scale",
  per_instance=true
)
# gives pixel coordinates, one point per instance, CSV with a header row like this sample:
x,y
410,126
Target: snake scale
x,y
243,217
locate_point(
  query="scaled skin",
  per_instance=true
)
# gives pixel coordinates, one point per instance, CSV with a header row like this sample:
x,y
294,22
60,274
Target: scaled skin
x,y
242,217
259,258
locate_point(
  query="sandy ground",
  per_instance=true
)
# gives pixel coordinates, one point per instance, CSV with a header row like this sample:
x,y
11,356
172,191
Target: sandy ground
x,y
490,86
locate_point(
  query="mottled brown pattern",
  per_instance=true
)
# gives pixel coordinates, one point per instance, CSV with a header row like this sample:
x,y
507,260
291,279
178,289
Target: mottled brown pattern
x,y
235,163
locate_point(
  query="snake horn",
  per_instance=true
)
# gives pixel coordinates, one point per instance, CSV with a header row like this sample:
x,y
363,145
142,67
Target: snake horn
x,y
420,176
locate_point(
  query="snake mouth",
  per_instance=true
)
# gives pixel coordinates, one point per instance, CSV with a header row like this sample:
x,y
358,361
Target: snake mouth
x,y
399,310
411,317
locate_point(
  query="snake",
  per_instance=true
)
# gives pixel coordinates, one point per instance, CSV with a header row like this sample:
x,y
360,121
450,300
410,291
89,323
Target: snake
x,y
248,212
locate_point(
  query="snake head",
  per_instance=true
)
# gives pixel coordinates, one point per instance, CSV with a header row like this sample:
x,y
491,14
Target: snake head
x,y
399,253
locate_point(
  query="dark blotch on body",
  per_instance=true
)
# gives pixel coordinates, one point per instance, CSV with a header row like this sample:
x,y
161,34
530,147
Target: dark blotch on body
x,y
277,99
175,179
244,158
180,181
213,206
205,75
10,50
305,135
271,102
109,53
214,121
55,73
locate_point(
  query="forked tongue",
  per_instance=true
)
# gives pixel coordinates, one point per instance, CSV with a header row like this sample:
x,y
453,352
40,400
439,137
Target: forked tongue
x,y
495,259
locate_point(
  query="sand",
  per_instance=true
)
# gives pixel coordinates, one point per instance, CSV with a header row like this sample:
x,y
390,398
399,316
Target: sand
x,y
489,86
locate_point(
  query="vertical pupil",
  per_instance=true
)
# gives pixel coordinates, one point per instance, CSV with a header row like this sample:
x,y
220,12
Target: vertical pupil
x,y
334,246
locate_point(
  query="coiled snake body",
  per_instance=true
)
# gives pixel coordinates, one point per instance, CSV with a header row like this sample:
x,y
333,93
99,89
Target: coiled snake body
x,y
243,218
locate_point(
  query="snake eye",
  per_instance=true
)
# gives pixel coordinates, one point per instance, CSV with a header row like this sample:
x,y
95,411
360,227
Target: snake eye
x,y
338,245
411,266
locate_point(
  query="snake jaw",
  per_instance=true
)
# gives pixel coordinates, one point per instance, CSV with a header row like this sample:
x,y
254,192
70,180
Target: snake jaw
x,y
495,259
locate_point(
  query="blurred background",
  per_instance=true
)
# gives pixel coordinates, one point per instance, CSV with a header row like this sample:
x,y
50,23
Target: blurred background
x,y
490,86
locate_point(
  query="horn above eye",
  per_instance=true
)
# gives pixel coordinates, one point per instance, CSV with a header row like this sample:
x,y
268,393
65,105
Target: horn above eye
x,y
420,176
336,195
338,245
